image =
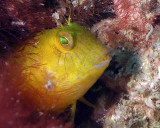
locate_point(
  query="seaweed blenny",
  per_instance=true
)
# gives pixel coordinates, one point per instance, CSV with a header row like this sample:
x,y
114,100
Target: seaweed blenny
x,y
59,66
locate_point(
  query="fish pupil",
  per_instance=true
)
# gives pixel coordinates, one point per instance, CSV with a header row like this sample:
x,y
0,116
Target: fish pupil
x,y
63,40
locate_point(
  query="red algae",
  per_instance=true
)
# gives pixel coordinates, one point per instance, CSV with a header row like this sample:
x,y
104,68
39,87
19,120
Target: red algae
x,y
132,25
21,20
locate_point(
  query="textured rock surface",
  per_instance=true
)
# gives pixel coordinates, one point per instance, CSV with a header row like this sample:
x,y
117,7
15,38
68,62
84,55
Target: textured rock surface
x,y
133,33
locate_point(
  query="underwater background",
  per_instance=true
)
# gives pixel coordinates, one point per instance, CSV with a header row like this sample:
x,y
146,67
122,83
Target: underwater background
x,y
127,95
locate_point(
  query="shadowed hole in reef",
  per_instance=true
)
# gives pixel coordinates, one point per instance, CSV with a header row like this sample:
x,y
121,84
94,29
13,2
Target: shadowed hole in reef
x,y
85,115
51,4
124,64
4,49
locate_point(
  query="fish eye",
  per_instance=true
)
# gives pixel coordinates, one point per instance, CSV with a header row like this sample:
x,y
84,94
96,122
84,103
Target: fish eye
x,y
66,40
63,40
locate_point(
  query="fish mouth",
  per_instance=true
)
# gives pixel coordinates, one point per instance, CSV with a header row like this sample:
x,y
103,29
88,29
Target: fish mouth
x,y
105,60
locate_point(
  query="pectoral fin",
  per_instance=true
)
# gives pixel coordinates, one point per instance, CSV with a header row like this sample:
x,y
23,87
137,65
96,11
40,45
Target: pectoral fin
x,y
73,110
83,100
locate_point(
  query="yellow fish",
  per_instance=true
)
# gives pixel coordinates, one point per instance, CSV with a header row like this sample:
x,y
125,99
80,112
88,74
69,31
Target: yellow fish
x,y
60,65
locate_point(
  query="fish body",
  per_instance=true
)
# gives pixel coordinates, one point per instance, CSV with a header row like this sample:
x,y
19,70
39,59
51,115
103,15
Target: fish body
x,y
60,65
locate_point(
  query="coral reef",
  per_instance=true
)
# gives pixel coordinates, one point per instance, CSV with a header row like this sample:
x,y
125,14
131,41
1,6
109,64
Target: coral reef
x,y
127,95
133,33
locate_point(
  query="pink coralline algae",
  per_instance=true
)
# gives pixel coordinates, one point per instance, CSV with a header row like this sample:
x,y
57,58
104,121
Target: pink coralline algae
x,y
133,38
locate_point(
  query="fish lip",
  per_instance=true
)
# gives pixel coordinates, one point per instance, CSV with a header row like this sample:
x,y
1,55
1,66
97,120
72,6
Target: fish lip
x,y
102,64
